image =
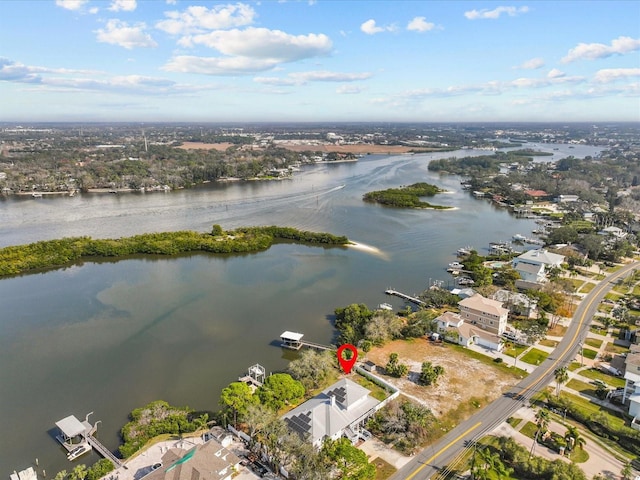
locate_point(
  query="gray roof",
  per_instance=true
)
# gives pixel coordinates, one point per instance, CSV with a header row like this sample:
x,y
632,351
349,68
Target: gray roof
x,y
529,268
70,426
331,411
541,256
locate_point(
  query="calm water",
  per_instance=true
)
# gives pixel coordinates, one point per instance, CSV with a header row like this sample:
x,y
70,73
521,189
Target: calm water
x,y
109,337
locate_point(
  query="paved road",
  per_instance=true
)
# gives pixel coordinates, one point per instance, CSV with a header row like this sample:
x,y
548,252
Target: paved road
x,y
450,449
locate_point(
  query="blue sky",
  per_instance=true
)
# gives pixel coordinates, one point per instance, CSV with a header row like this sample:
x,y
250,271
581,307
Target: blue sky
x,y
340,60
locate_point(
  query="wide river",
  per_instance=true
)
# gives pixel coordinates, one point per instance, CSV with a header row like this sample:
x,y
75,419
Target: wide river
x,y
112,336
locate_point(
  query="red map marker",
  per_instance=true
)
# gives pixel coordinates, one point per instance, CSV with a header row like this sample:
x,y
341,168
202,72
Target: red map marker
x,y
347,365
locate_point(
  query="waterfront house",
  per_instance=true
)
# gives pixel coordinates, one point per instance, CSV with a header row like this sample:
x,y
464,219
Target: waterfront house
x,y
533,264
339,410
632,382
485,313
208,461
454,329
516,303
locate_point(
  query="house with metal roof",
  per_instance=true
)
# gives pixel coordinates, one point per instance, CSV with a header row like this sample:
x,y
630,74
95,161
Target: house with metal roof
x,y
339,410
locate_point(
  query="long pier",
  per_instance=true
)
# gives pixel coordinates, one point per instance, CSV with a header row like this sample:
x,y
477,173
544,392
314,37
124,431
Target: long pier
x,y
317,346
104,451
404,296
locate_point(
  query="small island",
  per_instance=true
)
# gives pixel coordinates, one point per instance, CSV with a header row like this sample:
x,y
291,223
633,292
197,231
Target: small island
x,y
58,253
406,197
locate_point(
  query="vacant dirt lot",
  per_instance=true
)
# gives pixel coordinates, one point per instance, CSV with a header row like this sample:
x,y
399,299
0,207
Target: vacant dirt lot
x,y
464,377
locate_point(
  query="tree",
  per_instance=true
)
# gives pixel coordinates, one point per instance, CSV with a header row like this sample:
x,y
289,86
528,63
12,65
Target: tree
x,y
350,322
312,368
256,419
60,475
394,368
573,438
351,462
542,420
561,375
308,463
384,326
280,389
429,374
626,472
79,472
237,396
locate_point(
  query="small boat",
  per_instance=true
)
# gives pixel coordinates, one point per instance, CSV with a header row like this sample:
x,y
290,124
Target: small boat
x,y
36,195
465,281
462,251
519,238
79,450
385,306
456,265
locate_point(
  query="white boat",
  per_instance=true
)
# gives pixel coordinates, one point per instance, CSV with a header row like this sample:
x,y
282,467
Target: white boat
x,y
464,251
519,238
78,451
465,281
36,195
385,306
456,265
28,474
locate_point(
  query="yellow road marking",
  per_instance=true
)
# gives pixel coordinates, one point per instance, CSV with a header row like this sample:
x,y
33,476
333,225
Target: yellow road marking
x,y
446,447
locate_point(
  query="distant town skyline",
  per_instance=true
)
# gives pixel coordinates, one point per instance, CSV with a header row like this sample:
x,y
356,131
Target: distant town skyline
x,y
317,60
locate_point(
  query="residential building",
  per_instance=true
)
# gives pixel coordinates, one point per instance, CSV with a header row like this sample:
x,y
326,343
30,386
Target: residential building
x,y
454,329
208,461
632,382
613,232
339,410
517,303
485,313
533,264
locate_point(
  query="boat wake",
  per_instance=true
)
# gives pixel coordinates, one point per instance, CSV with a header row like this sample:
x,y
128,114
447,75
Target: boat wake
x,y
369,249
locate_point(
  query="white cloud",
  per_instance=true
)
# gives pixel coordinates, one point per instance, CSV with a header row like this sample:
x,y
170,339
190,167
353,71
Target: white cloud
x,y
120,33
124,5
198,19
370,28
171,2
301,78
608,75
419,24
555,73
348,90
495,13
531,64
593,51
71,4
94,10
262,43
219,65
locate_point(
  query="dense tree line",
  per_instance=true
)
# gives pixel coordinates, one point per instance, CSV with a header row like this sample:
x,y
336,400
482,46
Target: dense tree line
x,y
57,253
155,419
407,197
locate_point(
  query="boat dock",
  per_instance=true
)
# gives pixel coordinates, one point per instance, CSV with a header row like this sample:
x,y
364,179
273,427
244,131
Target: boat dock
x,y
404,296
77,438
104,451
293,341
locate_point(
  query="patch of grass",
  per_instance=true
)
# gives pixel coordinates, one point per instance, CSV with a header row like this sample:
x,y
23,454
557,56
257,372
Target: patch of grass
x,y
582,387
636,290
377,391
383,469
605,308
545,342
588,353
587,287
593,342
613,296
579,455
595,374
515,372
589,409
529,429
514,422
534,356
574,366
620,288
557,331
597,329
575,282
513,349
612,348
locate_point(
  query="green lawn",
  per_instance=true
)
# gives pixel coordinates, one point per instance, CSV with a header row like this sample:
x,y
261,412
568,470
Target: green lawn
x,y
534,356
588,353
636,290
513,349
514,421
574,366
545,342
383,469
613,296
598,329
606,308
582,387
596,374
593,342
529,429
589,409
621,289
611,348
587,287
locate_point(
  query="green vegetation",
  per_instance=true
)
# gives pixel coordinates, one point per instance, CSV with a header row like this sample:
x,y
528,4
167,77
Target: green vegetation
x,y
430,373
588,353
280,389
349,460
384,469
534,356
58,253
582,387
394,368
593,342
154,419
529,152
407,197
596,374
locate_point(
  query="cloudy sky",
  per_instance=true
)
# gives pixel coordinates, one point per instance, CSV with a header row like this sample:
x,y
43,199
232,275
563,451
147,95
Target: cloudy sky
x,y
319,60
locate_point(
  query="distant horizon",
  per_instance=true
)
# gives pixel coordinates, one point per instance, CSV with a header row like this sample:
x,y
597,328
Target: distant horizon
x,y
244,61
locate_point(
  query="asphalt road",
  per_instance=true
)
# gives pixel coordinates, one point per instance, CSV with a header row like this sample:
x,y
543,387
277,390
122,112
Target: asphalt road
x,y
432,462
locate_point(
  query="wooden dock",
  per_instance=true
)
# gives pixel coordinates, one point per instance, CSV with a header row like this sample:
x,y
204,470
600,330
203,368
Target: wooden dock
x,y
104,451
404,296
317,346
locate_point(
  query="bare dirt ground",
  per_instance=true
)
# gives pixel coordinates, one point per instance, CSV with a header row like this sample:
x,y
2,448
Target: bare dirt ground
x,y
464,377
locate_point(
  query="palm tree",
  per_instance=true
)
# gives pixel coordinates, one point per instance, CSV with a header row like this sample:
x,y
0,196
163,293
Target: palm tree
x,y
573,438
542,420
562,375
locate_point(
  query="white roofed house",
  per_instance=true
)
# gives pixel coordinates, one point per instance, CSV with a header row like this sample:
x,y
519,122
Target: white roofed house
x,y
533,264
339,410
465,333
632,382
